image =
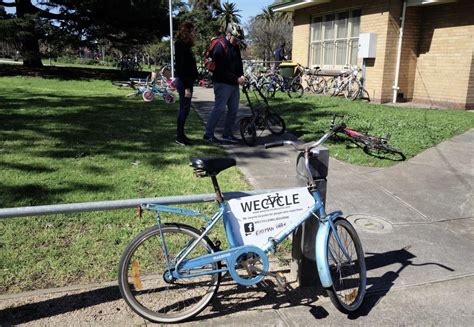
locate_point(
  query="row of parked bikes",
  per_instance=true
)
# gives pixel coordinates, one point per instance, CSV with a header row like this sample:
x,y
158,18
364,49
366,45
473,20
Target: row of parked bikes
x,y
347,82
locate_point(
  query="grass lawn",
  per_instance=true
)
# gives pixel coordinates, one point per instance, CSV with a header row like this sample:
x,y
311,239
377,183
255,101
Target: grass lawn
x,y
65,141
413,130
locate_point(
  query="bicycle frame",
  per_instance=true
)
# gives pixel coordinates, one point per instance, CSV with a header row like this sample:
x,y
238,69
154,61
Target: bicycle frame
x,y
181,268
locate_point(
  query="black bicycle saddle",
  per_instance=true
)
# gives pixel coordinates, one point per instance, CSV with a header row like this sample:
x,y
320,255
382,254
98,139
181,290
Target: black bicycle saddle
x,y
211,166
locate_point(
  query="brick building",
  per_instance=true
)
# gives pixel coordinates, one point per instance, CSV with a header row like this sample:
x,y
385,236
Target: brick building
x,y
435,63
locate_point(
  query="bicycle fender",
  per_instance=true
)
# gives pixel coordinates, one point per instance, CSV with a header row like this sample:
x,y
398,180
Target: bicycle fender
x,y
322,250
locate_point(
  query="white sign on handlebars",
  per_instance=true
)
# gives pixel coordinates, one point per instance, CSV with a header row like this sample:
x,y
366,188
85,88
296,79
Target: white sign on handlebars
x,y
255,219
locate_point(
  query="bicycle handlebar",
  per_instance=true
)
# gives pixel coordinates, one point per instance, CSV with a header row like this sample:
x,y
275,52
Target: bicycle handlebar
x,y
310,145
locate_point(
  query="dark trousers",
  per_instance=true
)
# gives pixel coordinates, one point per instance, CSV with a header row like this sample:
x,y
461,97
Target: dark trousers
x,y
184,108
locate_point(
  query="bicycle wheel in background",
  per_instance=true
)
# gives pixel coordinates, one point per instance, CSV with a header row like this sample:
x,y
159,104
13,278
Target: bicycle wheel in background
x,y
348,273
295,90
248,131
268,89
143,272
331,86
352,90
275,124
318,85
386,151
148,95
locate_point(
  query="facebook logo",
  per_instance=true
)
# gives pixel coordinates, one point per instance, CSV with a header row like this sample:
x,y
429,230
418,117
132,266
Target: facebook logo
x,y
249,228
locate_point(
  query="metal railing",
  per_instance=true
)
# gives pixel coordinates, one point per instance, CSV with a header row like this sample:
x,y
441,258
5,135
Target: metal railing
x,y
117,204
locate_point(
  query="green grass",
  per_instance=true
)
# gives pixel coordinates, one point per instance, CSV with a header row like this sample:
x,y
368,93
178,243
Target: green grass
x,y
413,130
64,141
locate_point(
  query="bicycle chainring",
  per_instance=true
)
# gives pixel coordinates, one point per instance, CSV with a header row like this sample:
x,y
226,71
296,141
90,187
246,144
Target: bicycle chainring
x,y
248,265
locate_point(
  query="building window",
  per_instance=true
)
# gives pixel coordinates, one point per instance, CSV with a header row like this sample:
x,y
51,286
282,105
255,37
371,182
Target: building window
x,y
335,39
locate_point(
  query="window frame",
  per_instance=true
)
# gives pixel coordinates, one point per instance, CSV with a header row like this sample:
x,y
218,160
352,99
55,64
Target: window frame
x,y
322,42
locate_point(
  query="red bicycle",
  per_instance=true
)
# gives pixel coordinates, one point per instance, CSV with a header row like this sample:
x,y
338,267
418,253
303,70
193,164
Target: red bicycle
x,y
373,145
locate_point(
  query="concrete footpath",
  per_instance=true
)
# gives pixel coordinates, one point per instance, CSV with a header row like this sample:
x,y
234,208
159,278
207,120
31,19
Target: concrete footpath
x,y
415,220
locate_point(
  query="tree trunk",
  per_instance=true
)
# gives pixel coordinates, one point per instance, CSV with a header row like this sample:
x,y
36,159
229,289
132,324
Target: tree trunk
x,y
30,52
29,40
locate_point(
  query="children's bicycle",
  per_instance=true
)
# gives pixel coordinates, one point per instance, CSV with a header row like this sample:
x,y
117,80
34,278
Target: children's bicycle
x,y
373,145
262,116
170,272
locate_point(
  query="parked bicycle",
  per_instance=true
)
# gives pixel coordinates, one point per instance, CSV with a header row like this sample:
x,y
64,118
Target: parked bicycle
x,y
316,83
170,272
262,116
291,85
377,146
345,83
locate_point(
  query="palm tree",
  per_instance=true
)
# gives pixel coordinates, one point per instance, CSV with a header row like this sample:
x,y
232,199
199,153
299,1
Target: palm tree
x,y
227,13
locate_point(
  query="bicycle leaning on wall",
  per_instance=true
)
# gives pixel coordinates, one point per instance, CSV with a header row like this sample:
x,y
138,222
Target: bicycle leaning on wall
x,y
170,272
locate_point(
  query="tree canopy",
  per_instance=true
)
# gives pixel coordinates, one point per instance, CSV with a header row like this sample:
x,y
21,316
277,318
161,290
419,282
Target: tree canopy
x,y
124,23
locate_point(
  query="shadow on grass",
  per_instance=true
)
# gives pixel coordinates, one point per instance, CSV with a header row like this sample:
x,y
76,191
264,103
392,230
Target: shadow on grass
x,y
69,73
52,132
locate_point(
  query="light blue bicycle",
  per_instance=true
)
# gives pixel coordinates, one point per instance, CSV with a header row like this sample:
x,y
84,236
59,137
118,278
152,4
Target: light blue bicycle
x,y
170,272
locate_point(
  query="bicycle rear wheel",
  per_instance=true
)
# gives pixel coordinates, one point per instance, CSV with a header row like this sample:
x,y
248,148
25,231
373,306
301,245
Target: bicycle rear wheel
x,y
348,273
383,150
143,268
295,90
275,124
318,85
248,131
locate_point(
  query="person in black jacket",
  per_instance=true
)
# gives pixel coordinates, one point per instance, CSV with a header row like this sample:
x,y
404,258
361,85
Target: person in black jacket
x,y
227,77
186,73
279,55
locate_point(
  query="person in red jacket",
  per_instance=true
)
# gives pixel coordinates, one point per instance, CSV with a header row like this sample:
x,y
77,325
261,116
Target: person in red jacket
x,y
186,73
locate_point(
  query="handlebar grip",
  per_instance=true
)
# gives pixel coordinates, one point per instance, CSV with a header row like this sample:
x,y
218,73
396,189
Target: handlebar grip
x,y
273,144
339,127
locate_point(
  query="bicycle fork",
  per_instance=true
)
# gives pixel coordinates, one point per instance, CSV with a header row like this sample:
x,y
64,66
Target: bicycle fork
x,y
326,225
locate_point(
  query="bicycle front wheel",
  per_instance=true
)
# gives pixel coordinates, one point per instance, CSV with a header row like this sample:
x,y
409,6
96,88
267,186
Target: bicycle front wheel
x,y
268,89
275,124
143,275
347,270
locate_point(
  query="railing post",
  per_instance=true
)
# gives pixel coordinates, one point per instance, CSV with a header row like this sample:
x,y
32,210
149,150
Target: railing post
x,y
303,264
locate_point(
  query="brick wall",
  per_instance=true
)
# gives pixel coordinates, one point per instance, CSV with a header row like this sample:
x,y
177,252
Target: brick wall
x,y
437,51
445,56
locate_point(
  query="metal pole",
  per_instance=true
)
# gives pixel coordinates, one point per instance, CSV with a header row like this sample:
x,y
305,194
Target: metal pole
x,y
171,40
399,54
118,204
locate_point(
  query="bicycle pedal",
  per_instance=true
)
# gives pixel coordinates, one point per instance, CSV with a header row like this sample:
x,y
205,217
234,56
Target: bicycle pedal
x,y
282,285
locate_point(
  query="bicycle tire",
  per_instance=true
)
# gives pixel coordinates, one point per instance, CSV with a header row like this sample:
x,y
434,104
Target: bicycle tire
x,y
318,85
275,124
295,90
349,279
268,89
248,131
148,95
141,278
331,86
388,149
352,90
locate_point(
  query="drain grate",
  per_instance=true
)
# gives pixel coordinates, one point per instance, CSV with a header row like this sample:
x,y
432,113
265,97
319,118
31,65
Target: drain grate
x,y
371,224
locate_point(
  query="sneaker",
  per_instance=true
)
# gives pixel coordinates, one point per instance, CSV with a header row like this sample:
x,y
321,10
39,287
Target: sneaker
x,y
231,139
211,139
183,142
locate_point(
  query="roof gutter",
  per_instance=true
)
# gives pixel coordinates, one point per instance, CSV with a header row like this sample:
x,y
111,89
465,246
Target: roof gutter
x,y
291,6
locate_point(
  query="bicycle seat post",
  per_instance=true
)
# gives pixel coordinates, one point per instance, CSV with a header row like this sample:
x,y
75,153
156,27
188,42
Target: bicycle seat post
x,y
217,190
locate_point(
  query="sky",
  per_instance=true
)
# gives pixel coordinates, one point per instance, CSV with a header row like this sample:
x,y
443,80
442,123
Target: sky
x,y
250,7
